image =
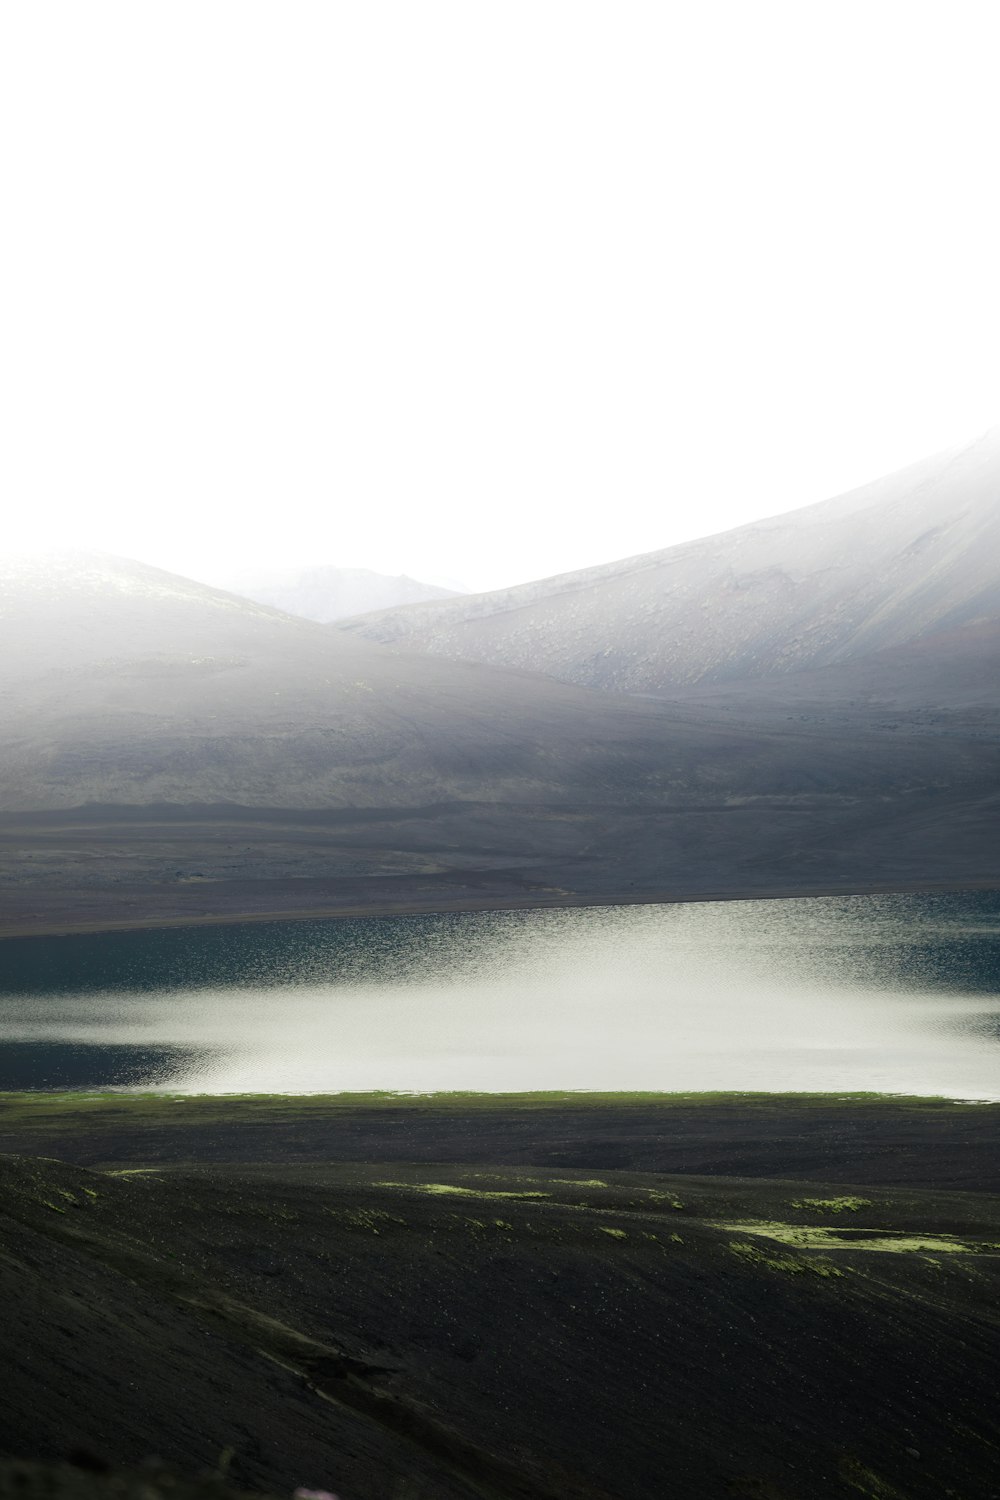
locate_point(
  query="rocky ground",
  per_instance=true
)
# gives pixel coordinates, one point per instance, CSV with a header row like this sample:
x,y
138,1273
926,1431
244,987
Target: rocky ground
x,y
778,1298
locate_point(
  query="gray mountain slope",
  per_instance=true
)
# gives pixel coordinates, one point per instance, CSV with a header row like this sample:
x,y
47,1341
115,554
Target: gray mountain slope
x,y
155,733
894,562
944,681
120,683
329,593
123,684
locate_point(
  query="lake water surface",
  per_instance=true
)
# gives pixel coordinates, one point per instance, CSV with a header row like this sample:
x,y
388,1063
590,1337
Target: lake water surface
x,y
896,993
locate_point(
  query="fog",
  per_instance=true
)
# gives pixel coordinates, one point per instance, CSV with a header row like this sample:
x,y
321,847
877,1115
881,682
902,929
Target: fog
x,y
481,294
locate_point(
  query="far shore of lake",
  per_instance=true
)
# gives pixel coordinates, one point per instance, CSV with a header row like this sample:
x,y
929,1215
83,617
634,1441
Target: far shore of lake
x,y
62,913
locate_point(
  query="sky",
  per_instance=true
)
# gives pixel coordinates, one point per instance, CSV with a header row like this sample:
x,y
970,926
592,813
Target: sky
x,y
483,292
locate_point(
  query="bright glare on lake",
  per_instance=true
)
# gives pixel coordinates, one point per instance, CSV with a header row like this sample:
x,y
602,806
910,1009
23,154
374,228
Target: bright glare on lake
x,y
894,993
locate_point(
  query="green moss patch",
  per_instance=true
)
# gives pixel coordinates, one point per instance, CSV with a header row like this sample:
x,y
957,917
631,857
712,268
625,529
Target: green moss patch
x,y
826,1237
831,1205
442,1189
793,1265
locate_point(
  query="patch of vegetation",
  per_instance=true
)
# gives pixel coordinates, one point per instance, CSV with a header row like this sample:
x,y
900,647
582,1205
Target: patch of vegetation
x,y
588,1182
371,1219
616,1234
832,1205
669,1199
793,1265
826,1237
449,1188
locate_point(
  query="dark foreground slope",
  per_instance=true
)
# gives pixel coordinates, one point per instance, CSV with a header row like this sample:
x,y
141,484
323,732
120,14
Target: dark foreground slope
x,y
892,563
509,1331
172,753
85,1478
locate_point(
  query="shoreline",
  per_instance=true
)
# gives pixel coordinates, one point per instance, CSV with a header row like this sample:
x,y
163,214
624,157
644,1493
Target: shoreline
x,y
473,1098
65,924
892,1140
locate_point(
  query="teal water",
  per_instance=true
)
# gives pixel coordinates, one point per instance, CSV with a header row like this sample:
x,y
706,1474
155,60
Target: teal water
x,y
897,993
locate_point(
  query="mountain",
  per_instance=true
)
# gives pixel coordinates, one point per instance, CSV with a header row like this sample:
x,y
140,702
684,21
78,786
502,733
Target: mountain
x,y
169,751
893,563
948,682
328,593
123,684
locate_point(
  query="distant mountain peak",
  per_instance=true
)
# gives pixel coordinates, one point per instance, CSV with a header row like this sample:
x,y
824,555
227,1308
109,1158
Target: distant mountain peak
x,y
325,593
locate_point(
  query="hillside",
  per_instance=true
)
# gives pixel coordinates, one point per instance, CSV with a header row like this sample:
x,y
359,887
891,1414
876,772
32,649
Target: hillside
x,y
171,752
329,593
943,684
885,566
660,1297
124,685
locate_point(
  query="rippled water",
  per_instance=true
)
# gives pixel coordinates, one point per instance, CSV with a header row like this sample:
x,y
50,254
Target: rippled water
x,y
898,993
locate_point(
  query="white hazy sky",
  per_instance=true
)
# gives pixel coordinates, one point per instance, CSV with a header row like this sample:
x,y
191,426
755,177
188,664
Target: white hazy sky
x,y
489,289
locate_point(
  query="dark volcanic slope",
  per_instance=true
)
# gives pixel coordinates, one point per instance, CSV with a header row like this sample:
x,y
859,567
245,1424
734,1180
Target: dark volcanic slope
x,y
912,554
510,1334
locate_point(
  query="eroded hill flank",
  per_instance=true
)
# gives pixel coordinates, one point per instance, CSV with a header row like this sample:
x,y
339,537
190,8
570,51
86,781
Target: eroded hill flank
x,y
891,563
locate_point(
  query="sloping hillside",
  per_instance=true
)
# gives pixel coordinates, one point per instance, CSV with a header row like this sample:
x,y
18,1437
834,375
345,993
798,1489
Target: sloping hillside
x,y
895,562
946,683
123,684
576,1325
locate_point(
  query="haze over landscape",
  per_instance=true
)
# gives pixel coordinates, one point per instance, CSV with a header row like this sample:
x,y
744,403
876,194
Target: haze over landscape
x,y
805,703
483,298
499,751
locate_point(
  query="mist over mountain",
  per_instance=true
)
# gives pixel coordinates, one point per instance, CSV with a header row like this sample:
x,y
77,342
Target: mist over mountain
x,y
948,682
328,593
168,750
896,562
121,683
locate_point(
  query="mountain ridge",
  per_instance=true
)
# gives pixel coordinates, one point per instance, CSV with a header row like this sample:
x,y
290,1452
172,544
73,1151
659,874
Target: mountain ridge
x,y
910,554
134,704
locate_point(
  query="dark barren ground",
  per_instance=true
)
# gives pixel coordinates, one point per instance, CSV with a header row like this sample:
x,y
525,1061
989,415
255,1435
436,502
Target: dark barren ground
x,y
471,1296
100,869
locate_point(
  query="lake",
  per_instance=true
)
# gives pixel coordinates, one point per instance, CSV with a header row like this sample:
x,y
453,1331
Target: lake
x,y
888,993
